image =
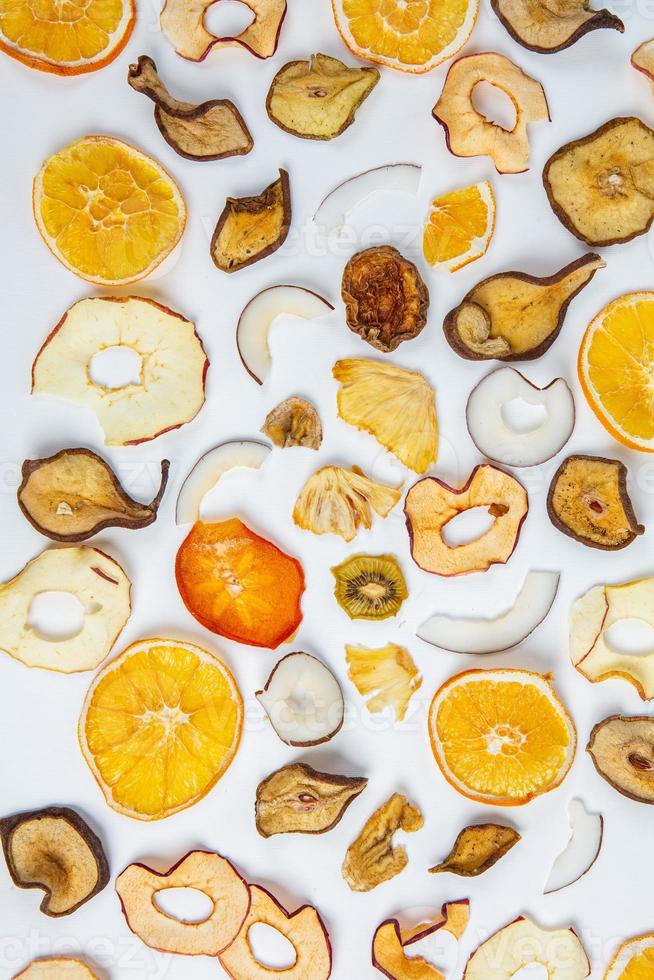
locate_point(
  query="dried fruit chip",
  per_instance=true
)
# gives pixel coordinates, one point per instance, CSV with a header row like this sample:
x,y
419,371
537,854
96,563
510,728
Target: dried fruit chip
x,y
56,850
459,226
250,228
601,187
522,942
372,858
391,940
588,501
515,316
210,131
468,133
548,26
643,59
393,178
183,24
622,749
298,799
303,700
318,99
210,469
477,849
388,674
294,422
581,851
634,960
395,405
57,968
339,501
370,586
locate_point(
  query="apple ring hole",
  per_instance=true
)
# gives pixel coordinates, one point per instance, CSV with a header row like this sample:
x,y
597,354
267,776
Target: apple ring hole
x,y
227,18
270,947
521,416
631,637
188,905
495,105
116,367
439,948
532,971
57,616
467,526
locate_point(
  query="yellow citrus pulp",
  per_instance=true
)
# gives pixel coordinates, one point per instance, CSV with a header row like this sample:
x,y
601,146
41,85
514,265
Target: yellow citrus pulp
x,y
459,226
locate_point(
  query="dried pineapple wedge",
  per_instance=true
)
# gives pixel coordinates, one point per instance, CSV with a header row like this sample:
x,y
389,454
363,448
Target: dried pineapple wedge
x,y
339,501
396,406
388,673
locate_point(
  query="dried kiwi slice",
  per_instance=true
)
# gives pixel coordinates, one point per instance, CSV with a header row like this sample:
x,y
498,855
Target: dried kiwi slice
x,y
370,586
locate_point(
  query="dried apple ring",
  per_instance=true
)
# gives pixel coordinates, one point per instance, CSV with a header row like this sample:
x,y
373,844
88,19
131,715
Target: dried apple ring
x,y
523,942
182,21
56,968
391,940
304,930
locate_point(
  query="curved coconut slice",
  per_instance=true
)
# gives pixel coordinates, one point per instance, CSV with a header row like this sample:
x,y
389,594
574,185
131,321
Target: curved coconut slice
x,y
581,851
465,635
303,700
391,940
523,942
635,953
493,435
182,21
210,468
259,315
547,26
399,178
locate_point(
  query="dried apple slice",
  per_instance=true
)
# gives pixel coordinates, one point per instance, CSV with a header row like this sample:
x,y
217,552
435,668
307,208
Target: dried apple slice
x,y
75,494
210,468
643,59
477,849
251,228
622,749
138,886
634,960
339,501
468,133
318,99
182,21
303,700
431,504
581,851
95,580
400,178
54,849
514,316
391,940
372,858
547,26
388,674
57,968
298,799
523,942
294,422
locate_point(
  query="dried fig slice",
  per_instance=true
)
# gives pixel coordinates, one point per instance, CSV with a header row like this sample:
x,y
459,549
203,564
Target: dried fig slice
x,y
468,133
547,26
209,131
57,968
317,99
182,21
298,799
372,858
391,940
601,187
588,501
294,422
622,749
54,849
514,316
75,494
478,848
251,228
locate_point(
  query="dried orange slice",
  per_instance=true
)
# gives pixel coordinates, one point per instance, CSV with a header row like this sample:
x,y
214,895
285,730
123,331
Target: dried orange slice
x,y
459,226
109,212
68,38
160,725
410,35
501,736
616,365
633,961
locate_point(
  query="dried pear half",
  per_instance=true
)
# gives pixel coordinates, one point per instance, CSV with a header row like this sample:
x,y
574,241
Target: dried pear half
x,y
547,26
372,858
251,228
369,586
387,674
601,187
514,316
75,494
317,99
209,131
477,849
298,799
294,422
55,849
588,501
622,749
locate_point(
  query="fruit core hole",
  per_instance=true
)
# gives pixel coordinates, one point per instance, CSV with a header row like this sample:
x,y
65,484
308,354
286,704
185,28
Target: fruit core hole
x,y
270,947
467,526
521,416
56,616
491,102
631,637
184,904
116,367
228,18
440,949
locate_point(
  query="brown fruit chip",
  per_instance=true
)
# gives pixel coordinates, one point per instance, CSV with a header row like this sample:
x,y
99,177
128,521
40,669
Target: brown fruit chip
x,y
75,494
294,422
251,228
57,968
298,799
372,858
477,849
210,131
391,941
588,501
547,26
54,849
622,749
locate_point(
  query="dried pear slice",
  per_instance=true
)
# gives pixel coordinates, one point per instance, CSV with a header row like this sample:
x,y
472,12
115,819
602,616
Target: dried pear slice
x,y
251,228
391,940
318,99
588,501
57,968
372,858
298,799
388,674
370,586
335,500
601,187
477,849
182,21
468,133
622,749
514,316
547,26
75,494
55,849
294,422
211,130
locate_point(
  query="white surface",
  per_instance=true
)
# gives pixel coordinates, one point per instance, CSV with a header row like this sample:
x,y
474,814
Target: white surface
x,y
40,761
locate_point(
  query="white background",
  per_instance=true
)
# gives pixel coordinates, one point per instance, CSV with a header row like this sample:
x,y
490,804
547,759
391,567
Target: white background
x,y
40,761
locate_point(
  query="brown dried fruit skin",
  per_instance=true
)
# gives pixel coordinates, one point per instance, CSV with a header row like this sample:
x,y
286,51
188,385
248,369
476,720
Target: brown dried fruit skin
x,y
547,26
54,849
294,422
251,228
372,859
385,298
601,187
182,21
318,99
298,799
588,501
75,494
622,749
477,849
391,940
514,316
209,131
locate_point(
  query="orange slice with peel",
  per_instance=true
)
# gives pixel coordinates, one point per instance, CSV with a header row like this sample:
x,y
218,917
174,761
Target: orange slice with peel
x,y
634,960
109,212
160,725
501,736
459,226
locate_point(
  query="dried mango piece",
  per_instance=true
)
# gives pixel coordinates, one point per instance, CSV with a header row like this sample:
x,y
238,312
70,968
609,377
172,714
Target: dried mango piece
x,y
298,799
391,940
388,674
339,501
372,859
547,26
477,849
251,228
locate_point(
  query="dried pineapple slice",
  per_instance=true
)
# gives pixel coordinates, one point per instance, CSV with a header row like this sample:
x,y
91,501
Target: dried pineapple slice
x,y
339,501
396,406
388,673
